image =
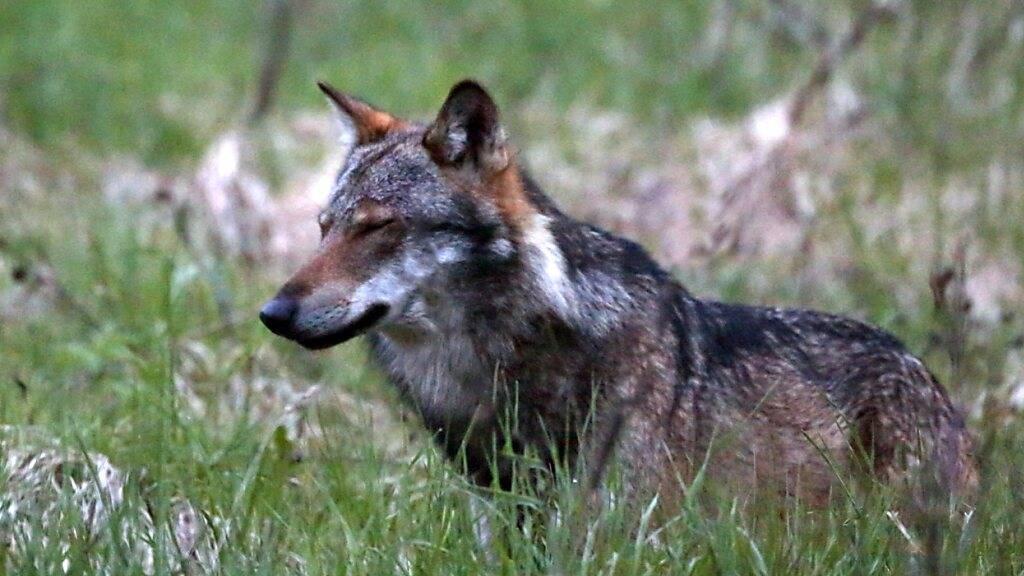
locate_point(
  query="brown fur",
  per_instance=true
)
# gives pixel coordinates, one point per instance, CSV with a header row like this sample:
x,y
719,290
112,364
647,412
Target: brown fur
x,y
346,258
483,302
370,124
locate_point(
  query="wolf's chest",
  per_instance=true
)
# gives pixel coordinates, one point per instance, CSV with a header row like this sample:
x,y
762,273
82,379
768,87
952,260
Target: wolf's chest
x,y
442,376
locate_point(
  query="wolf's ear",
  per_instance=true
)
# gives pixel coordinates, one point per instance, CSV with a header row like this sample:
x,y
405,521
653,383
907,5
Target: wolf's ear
x,y
368,123
467,131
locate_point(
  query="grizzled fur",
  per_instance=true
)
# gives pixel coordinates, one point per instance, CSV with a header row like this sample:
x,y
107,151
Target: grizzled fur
x,y
482,301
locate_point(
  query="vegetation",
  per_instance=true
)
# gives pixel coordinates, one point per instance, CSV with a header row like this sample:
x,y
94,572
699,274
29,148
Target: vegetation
x,y
128,332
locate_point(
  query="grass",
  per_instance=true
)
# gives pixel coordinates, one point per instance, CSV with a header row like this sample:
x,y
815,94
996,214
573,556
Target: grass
x,y
119,337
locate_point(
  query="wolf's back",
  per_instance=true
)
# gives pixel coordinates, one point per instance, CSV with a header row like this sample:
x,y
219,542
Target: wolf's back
x,y
892,411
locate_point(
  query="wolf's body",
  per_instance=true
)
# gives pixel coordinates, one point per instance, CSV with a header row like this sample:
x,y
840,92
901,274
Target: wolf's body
x,y
505,322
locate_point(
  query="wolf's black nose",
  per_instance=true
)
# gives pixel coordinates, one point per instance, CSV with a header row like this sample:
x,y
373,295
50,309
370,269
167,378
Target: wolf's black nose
x,y
278,313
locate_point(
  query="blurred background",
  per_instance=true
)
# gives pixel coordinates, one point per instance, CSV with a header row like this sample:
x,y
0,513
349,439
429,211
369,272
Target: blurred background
x,y
161,164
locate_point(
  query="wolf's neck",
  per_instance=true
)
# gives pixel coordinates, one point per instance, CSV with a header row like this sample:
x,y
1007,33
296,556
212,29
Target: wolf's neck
x,y
573,290
546,267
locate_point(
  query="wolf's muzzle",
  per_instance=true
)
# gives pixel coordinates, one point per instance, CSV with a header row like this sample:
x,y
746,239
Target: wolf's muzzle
x,y
281,315
347,332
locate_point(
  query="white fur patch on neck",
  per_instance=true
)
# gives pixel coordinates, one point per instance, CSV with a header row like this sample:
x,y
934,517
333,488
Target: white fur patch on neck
x,y
547,264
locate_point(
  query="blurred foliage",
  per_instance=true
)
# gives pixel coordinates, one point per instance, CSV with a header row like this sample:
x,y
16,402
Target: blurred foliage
x,y
160,77
123,308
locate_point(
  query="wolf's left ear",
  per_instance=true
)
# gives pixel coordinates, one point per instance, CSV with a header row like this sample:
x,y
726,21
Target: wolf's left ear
x,y
467,131
368,123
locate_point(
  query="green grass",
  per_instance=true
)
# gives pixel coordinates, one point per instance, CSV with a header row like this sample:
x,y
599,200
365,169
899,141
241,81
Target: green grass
x,y
159,80
98,362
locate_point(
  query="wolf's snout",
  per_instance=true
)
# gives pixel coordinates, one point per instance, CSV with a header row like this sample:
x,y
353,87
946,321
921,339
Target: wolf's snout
x,y
278,314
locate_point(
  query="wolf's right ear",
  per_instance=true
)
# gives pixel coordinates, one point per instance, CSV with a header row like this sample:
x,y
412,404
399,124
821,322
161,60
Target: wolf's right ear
x,y
368,123
467,131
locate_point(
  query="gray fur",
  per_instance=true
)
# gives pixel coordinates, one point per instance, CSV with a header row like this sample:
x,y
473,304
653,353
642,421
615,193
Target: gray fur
x,y
541,319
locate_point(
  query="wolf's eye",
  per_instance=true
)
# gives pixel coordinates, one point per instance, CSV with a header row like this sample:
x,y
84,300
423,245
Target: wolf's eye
x,y
366,226
325,221
371,216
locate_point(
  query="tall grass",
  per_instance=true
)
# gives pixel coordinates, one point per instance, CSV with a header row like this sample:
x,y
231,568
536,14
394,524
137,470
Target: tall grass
x,y
115,337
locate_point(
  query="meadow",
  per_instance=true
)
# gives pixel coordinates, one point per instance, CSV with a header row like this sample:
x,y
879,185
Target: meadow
x,y
856,157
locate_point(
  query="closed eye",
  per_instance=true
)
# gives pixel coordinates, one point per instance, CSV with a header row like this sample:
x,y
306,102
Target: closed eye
x,y
369,226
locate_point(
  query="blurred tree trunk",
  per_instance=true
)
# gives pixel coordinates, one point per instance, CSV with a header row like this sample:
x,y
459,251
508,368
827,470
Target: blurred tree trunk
x,y
280,24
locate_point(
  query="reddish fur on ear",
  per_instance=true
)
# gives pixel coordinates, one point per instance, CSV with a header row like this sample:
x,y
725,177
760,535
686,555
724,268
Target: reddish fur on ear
x,y
370,124
509,195
468,142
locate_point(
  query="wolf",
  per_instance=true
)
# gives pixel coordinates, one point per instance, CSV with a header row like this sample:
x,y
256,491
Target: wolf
x,y
504,322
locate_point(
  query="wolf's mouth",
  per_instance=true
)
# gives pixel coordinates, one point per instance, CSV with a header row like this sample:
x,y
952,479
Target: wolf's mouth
x,y
345,333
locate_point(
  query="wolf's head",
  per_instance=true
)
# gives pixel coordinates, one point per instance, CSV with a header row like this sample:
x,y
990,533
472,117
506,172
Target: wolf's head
x,y
416,212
